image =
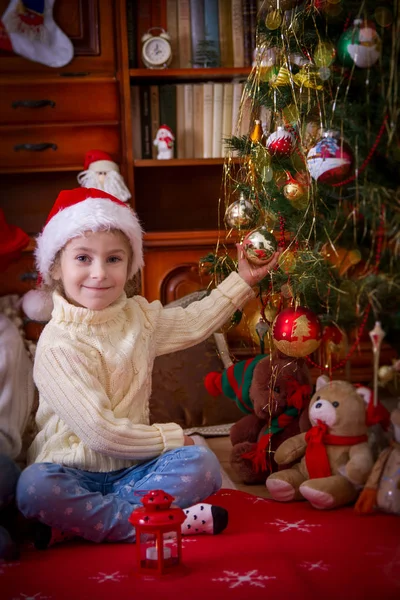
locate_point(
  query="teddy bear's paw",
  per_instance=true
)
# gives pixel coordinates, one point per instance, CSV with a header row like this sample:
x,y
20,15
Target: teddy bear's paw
x,y
280,490
317,498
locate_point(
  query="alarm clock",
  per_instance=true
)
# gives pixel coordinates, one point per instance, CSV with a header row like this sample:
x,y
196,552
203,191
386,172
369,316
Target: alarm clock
x,y
156,49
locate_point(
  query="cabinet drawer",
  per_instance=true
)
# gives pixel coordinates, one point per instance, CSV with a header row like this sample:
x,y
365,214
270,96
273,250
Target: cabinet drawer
x,y
49,148
71,101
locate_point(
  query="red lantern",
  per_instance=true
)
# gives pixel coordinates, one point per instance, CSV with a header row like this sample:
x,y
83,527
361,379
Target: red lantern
x,y
158,534
296,331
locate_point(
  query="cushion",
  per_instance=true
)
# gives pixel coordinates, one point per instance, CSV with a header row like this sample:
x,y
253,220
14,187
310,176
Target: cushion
x,y
179,394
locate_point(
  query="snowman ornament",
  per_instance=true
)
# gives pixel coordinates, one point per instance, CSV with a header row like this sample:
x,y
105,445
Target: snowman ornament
x,y
164,141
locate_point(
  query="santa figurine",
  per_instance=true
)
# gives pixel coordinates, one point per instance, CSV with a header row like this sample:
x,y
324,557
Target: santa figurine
x,y
164,141
102,173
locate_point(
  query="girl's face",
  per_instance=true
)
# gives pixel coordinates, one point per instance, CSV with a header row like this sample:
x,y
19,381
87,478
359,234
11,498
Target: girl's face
x,y
93,268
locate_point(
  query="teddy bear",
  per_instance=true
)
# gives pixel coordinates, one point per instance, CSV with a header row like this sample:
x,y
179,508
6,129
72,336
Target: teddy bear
x,y
274,392
382,489
335,456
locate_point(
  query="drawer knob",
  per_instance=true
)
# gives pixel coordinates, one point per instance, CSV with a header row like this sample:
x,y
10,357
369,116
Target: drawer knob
x,y
33,103
35,147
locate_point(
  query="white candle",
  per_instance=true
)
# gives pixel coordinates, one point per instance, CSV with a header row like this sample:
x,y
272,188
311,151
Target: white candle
x,y
152,553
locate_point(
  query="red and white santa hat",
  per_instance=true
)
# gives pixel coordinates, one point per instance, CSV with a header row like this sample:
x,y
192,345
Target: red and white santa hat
x,y
97,160
74,213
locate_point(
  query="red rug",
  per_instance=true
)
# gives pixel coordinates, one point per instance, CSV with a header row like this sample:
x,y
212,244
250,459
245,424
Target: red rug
x,y
269,550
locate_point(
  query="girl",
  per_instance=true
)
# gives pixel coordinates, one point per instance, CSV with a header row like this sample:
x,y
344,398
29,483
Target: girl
x,y
95,449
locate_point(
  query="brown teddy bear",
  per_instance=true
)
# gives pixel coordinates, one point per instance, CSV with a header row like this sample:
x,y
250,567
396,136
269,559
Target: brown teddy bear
x,y
274,392
336,459
382,490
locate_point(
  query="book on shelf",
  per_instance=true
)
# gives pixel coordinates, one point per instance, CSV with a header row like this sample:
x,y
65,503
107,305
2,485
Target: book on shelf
x,y
155,116
208,99
204,33
225,32
184,40
227,101
145,117
237,33
180,137
198,118
167,96
216,130
172,29
249,17
196,29
188,120
211,32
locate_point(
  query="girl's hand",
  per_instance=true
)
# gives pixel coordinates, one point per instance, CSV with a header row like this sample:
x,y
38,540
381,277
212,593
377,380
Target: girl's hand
x,y
252,274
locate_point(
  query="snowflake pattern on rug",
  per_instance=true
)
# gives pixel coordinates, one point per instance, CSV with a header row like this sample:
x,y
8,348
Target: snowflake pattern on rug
x,y
251,577
301,525
4,565
315,566
104,577
37,596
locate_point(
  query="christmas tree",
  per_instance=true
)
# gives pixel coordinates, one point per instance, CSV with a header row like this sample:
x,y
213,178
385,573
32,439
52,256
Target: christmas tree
x,y
318,173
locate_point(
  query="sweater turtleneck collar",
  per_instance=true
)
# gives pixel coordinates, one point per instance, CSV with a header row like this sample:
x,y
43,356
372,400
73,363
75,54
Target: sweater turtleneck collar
x,y
65,312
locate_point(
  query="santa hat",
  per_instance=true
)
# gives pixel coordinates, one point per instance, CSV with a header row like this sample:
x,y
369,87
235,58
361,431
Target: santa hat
x,y
12,241
75,212
98,161
234,382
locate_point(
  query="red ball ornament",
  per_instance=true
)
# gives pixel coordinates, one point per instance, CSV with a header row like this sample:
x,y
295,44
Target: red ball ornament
x,y
330,160
297,331
281,143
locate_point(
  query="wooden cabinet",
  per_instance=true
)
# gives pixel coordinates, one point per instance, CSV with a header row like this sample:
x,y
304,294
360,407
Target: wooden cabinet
x,y
50,117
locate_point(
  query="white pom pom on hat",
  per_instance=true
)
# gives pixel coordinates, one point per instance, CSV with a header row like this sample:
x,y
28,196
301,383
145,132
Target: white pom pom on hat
x,y
75,212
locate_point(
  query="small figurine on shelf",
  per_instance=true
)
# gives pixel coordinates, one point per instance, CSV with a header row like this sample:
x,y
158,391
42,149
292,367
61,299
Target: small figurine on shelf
x,y
102,173
164,141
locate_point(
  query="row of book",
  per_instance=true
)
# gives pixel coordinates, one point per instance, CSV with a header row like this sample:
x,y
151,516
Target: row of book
x,y
204,33
200,115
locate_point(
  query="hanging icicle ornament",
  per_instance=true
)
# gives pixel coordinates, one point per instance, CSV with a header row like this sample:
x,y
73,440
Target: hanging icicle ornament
x,y
241,214
331,159
359,45
297,332
259,245
376,334
281,143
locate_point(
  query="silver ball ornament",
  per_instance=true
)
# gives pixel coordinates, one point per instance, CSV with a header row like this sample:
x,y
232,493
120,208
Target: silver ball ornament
x,y
241,214
259,245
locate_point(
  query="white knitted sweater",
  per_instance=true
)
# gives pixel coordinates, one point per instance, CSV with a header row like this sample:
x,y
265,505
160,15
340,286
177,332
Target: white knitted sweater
x,y
93,372
16,388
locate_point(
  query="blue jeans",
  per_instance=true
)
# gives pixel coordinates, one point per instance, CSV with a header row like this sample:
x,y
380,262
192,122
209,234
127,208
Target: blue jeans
x,y
9,473
96,506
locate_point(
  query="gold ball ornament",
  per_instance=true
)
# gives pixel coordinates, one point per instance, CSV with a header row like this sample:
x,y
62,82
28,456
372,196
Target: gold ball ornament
x,y
295,192
287,261
325,54
386,374
259,245
241,214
